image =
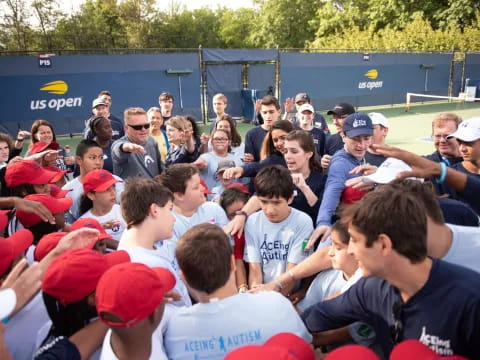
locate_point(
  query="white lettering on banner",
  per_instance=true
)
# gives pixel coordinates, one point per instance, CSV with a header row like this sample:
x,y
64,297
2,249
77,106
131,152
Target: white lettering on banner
x,y
370,85
441,347
56,104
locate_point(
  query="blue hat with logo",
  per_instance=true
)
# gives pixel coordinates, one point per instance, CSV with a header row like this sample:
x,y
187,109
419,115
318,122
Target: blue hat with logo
x,y
357,124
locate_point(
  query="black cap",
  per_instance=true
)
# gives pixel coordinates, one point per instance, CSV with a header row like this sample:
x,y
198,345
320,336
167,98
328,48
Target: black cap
x,y
342,109
302,97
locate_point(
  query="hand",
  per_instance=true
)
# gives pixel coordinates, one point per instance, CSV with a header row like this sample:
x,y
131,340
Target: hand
x,y
39,156
421,167
25,281
270,286
15,160
233,173
365,169
299,181
289,105
133,148
297,296
235,226
200,164
322,231
248,158
35,208
171,296
77,239
69,160
360,183
204,138
22,134
325,161
258,105
111,224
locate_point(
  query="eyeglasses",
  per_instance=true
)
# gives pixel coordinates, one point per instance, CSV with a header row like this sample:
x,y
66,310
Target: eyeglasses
x,y
396,327
140,127
220,139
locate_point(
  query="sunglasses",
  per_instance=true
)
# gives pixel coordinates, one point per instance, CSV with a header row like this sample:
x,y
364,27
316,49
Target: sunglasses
x,y
396,327
140,127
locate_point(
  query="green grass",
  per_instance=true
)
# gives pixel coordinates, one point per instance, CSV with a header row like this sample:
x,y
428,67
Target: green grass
x,y
409,130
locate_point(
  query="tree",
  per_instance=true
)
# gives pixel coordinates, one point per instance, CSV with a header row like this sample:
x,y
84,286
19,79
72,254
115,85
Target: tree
x,y
236,27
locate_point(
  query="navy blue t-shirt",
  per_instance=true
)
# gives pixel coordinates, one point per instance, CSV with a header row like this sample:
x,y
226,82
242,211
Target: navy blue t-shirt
x,y
459,167
60,348
444,314
437,157
319,139
374,159
333,143
457,212
253,141
316,182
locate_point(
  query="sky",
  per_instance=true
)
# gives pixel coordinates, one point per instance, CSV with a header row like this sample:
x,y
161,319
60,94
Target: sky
x,y
68,5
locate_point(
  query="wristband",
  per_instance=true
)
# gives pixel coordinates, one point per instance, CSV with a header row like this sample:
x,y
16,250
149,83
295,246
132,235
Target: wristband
x,y
443,173
241,212
278,283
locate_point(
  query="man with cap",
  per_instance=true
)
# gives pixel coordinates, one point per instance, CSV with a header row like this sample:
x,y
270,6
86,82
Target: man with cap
x,y
100,107
335,141
358,130
136,153
468,138
130,298
301,99
380,131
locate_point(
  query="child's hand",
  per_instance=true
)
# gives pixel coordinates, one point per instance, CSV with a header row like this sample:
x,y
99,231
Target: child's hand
x,y
111,224
299,181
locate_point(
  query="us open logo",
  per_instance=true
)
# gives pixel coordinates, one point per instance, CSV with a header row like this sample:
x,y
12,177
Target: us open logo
x,y
57,87
373,75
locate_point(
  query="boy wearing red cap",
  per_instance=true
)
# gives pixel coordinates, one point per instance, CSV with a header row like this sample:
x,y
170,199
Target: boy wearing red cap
x,y
147,207
223,320
130,299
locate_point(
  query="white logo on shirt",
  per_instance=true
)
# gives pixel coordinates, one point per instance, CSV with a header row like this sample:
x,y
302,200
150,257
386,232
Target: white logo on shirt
x,y
441,347
148,160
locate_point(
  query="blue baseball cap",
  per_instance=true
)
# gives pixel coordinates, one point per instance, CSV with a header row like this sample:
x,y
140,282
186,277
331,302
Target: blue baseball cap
x,y
357,124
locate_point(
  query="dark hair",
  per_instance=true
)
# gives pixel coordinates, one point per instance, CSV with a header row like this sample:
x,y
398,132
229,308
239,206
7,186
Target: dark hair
x,y
425,192
95,122
85,204
67,320
229,196
397,213
305,140
23,190
41,229
274,181
175,177
270,100
341,229
268,147
34,130
165,96
7,139
85,145
236,137
204,256
196,132
137,197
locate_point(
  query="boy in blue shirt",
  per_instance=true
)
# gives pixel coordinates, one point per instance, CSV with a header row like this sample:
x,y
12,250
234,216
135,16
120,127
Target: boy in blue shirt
x,y
274,235
404,294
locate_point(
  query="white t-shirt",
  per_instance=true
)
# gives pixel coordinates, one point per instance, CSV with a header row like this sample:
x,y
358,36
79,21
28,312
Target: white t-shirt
x,y
22,328
465,249
325,284
158,351
273,245
114,214
212,330
76,193
158,258
209,173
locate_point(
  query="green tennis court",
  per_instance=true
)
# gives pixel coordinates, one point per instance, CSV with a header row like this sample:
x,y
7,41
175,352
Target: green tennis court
x,y
409,130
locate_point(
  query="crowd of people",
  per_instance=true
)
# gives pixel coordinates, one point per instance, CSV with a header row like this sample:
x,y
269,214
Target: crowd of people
x,y
154,241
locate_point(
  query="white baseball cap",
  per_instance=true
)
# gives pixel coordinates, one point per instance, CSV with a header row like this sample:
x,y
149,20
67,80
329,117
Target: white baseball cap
x,y
468,130
387,172
8,300
378,119
306,107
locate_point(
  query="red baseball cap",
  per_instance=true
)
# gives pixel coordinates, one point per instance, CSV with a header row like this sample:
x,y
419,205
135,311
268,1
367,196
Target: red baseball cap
x,y
258,352
53,204
351,195
28,172
357,352
132,292
58,173
4,219
48,242
206,190
239,186
414,349
98,180
41,146
74,274
57,192
12,247
93,224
